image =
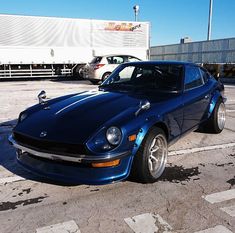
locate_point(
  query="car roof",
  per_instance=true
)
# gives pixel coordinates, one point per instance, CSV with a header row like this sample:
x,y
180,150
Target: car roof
x,y
111,55
162,63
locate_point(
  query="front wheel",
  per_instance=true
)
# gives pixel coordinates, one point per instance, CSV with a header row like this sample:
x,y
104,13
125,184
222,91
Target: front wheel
x,y
151,158
216,122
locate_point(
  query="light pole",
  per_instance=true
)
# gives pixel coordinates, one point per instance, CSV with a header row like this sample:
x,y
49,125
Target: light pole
x,y
136,10
209,20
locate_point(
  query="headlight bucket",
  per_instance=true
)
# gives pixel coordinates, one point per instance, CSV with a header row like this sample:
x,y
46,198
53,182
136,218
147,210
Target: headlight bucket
x,y
105,139
114,135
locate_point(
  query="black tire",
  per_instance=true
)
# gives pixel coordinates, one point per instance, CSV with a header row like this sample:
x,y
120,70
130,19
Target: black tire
x,y
105,76
216,122
141,169
78,71
94,82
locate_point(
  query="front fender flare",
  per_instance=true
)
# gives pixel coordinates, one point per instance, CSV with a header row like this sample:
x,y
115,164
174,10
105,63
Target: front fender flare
x,y
144,130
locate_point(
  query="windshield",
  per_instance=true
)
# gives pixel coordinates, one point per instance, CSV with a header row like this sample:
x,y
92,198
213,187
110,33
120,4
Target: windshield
x,y
161,77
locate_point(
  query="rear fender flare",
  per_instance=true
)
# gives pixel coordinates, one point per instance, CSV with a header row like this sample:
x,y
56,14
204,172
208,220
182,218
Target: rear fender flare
x,y
214,100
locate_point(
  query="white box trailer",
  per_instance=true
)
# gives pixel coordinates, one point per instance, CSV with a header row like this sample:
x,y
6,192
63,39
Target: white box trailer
x,y
32,46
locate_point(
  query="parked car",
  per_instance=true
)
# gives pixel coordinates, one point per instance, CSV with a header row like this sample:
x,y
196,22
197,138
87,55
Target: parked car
x,y
100,136
102,66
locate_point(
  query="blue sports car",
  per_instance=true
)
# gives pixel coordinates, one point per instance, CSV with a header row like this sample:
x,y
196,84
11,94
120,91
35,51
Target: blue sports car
x,y
126,126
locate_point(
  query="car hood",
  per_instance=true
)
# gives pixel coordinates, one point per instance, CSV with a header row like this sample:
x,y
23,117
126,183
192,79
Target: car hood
x,y
77,117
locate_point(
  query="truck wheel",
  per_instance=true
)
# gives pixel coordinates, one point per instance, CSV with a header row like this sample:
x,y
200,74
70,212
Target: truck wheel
x,y
79,71
216,122
105,76
151,158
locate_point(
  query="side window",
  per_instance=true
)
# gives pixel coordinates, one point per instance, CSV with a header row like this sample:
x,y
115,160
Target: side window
x,y
110,60
133,59
193,77
204,74
117,60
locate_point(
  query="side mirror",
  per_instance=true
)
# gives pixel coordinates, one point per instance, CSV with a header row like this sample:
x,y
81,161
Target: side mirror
x,y
41,97
144,105
217,77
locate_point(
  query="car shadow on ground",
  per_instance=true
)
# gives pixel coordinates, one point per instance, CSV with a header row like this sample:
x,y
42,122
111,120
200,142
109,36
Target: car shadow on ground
x,y
8,157
204,130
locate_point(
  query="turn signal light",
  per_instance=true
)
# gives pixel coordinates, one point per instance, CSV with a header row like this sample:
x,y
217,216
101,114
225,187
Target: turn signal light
x,y
106,164
132,137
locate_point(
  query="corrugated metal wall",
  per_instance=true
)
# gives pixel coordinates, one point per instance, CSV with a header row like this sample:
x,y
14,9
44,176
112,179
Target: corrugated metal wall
x,y
33,31
214,51
52,40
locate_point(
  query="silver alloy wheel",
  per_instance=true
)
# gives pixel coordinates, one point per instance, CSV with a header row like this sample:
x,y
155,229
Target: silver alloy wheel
x,y
157,156
221,116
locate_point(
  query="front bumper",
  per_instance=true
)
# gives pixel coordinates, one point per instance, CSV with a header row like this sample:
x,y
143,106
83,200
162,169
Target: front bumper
x,y
65,169
70,158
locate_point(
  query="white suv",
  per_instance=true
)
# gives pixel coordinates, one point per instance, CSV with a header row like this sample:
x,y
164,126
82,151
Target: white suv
x,y
102,66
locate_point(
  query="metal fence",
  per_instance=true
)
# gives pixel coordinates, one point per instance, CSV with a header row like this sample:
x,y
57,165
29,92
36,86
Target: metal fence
x,y
29,71
213,51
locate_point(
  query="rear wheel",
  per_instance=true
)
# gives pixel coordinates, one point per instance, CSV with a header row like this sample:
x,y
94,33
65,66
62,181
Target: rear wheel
x,y
216,121
151,158
105,76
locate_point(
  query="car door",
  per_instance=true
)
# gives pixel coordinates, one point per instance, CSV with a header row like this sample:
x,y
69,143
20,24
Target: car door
x,y
196,97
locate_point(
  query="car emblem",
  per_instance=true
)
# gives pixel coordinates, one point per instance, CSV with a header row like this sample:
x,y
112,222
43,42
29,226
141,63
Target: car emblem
x,y
43,134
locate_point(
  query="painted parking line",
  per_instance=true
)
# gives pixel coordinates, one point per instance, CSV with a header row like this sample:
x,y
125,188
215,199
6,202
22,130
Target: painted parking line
x,y
148,223
230,110
220,196
200,149
65,227
230,210
216,229
230,100
10,179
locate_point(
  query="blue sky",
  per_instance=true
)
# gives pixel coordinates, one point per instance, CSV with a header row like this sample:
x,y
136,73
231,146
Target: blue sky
x,y
170,19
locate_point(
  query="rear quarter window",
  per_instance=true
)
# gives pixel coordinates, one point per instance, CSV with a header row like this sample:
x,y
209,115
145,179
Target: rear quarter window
x,y
132,59
193,78
205,75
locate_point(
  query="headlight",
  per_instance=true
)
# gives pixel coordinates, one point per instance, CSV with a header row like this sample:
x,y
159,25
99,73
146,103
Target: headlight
x,y
114,135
